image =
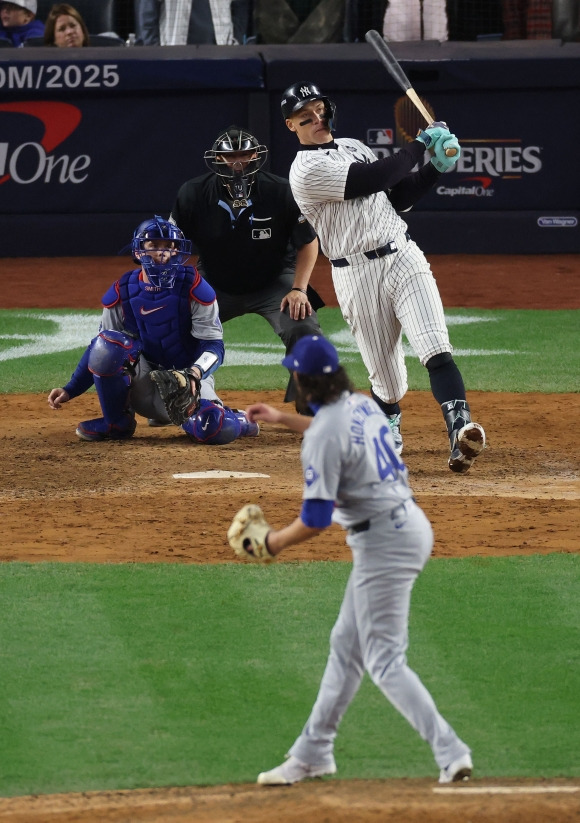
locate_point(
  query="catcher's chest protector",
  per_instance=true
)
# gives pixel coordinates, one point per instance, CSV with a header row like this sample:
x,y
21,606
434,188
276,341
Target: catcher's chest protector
x,y
162,319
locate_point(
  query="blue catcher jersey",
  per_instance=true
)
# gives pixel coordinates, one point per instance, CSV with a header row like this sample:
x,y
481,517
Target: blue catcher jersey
x,y
161,318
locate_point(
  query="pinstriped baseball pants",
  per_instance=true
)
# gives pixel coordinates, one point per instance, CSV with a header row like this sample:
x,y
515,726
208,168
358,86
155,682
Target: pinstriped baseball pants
x,y
380,299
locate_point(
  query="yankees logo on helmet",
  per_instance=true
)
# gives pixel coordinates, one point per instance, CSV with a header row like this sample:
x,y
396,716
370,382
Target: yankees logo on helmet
x,y
298,94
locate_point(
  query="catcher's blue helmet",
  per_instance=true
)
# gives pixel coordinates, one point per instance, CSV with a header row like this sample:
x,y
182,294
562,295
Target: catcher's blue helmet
x,y
161,272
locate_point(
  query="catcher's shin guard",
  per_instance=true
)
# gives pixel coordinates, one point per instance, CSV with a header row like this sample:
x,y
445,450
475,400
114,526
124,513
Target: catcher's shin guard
x,y
218,425
466,439
247,428
113,394
111,357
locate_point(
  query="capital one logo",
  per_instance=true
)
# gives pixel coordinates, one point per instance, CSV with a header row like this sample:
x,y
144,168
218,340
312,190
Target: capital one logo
x,y
30,162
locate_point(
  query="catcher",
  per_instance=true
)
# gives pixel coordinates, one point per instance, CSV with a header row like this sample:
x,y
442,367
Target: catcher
x,y
159,344
354,477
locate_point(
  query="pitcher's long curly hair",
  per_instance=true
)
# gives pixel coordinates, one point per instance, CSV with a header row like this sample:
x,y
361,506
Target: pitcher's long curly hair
x,y
322,389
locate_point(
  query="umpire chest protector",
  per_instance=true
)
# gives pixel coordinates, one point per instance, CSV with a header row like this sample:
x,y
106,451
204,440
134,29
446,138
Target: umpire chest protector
x,y
161,318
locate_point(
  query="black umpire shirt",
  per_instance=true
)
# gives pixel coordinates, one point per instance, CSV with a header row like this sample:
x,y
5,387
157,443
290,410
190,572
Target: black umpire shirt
x,y
242,254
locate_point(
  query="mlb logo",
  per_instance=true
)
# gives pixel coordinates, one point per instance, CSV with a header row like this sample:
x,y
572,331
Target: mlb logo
x,y
261,234
379,137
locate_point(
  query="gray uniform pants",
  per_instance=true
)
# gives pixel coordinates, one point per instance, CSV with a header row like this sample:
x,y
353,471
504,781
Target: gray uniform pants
x,y
266,303
371,633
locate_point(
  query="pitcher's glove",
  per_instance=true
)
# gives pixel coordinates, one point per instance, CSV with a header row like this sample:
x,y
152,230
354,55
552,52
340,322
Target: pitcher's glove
x,y
248,534
175,388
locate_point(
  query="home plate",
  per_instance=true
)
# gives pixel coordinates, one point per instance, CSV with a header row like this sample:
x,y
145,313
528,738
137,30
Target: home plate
x,y
216,474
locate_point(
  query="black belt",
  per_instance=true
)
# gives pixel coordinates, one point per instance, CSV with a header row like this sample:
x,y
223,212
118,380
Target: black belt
x,y
363,526
373,254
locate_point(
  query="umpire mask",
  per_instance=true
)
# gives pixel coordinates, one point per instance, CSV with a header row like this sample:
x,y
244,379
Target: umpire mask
x,y
236,157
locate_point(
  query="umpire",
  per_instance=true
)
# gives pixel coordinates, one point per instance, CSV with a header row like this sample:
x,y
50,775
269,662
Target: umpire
x,y
254,246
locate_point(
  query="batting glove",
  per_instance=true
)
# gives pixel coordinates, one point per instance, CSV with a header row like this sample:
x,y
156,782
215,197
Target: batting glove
x,y
430,136
439,124
442,161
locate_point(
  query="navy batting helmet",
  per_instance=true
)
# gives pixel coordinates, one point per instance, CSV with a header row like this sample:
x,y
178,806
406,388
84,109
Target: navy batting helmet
x,y
161,272
298,94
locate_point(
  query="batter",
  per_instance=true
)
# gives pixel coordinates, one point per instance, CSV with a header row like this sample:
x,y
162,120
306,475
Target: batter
x,y
353,476
382,280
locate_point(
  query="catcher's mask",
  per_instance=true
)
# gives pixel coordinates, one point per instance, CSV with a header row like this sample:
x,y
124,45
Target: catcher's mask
x,y
236,157
298,94
164,261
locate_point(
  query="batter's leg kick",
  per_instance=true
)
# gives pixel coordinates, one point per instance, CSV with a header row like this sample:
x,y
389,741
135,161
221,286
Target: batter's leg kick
x,y
466,438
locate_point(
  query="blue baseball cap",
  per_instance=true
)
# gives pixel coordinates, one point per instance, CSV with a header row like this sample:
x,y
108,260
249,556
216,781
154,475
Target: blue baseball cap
x,y
312,354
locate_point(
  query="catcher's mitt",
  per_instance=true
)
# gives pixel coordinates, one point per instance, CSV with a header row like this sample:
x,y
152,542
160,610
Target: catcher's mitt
x,y
175,389
247,534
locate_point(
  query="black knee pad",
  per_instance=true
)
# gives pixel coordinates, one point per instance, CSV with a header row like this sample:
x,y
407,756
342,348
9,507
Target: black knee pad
x,y
439,360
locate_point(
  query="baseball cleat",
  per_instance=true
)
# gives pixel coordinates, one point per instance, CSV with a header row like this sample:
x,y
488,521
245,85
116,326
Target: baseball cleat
x,y
457,771
293,771
395,426
468,444
99,429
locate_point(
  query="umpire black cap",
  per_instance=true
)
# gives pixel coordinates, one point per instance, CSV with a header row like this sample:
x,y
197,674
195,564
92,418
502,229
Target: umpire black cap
x,y
298,94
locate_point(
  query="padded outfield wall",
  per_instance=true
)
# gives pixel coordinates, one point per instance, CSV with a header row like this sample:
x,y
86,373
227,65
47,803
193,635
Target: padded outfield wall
x,y
94,140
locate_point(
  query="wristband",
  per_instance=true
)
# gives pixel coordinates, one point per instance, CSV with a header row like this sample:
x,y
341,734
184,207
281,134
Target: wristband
x,y
295,288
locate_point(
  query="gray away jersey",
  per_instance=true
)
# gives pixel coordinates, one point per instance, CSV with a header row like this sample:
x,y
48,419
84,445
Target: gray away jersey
x,y
348,455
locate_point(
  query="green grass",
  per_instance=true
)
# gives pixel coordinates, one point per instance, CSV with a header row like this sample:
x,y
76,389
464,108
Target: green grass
x,y
521,351
140,675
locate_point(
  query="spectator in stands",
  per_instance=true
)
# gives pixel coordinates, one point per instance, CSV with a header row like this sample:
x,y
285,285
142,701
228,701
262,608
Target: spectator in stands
x,y
416,20
299,21
527,19
183,22
65,28
18,21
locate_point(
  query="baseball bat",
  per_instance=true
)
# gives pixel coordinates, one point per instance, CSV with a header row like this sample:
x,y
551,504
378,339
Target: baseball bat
x,y
392,65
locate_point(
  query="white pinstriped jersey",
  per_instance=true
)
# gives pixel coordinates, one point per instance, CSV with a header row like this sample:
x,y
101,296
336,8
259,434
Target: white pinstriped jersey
x,y
318,178
379,298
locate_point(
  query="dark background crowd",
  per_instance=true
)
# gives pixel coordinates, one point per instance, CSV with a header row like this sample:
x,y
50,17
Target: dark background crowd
x,y
231,22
